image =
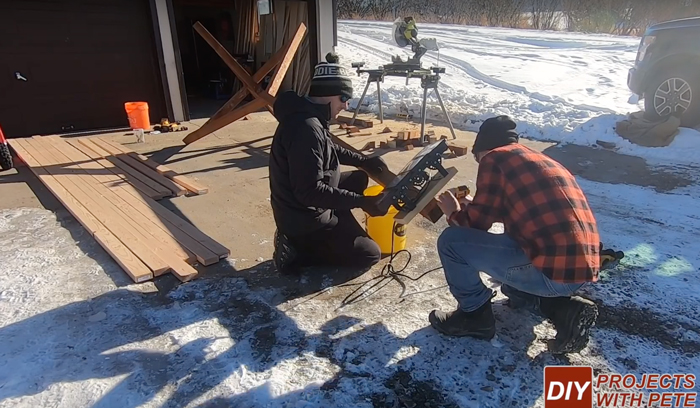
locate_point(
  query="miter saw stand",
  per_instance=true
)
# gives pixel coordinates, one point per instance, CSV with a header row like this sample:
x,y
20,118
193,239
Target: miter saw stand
x,y
430,79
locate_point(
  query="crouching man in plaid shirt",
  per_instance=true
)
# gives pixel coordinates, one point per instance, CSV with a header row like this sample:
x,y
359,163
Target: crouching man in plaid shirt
x,y
549,250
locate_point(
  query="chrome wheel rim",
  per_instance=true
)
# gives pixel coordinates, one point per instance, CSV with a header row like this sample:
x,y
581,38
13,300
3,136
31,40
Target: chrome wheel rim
x,y
672,94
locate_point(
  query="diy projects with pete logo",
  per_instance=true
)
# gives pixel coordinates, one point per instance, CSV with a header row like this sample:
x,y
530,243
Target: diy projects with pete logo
x,y
576,387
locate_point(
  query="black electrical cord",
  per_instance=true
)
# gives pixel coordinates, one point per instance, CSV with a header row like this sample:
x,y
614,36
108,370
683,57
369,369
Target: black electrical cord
x,y
389,273
386,276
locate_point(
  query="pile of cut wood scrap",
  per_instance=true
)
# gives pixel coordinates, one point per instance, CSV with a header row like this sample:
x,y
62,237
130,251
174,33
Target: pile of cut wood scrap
x,y
362,136
111,191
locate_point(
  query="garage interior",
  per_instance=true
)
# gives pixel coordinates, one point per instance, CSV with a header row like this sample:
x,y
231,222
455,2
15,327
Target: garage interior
x,y
251,31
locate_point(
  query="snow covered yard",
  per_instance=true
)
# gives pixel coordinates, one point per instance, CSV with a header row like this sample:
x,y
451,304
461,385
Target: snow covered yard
x,y
76,333
559,86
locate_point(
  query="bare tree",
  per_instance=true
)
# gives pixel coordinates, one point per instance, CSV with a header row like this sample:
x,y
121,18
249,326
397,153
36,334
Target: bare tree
x,y
545,14
353,8
381,8
625,17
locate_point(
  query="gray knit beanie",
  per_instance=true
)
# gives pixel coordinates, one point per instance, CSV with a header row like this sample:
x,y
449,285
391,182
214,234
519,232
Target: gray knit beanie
x,y
331,79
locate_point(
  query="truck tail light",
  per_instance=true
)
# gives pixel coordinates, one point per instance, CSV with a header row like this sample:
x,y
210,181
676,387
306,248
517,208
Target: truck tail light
x,y
644,46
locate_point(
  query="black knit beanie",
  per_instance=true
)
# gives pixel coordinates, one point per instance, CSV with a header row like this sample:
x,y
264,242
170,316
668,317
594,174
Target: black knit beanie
x,y
495,132
331,79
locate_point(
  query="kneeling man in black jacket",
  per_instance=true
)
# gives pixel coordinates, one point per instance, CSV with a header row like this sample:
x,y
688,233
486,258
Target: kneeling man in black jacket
x,y
311,198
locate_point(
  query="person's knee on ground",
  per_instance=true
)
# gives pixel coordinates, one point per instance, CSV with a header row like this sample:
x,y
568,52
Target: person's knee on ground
x,y
365,253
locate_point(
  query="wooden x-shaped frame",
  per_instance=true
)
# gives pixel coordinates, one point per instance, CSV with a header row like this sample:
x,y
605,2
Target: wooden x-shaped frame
x,y
230,112
264,98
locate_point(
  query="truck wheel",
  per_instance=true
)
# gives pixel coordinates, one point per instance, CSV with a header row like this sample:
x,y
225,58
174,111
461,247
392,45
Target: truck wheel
x,y
5,157
672,89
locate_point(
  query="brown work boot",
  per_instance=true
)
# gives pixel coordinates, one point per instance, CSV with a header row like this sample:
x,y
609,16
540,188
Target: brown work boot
x,y
573,318
479,324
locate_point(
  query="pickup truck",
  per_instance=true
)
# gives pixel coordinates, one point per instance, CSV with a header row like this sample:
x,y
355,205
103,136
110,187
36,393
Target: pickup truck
x,y
666,73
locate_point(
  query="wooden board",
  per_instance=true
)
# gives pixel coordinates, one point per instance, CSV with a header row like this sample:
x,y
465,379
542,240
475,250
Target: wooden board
x,y
153,212
161,190
235,66
141,168
137,220
139,239
230,112
359,142
132,265
166,215
126,179
99,209
184,181
459,147
358,122
143,237
432,189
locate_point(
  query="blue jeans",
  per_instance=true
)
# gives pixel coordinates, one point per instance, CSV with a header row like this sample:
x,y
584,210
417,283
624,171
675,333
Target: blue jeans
x,y
465,252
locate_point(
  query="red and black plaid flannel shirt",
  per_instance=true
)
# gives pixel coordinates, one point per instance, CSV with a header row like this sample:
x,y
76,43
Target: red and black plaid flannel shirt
x,y
542,208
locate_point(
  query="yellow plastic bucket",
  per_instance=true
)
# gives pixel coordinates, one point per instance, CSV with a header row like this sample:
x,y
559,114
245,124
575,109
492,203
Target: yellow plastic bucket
x,y
381,229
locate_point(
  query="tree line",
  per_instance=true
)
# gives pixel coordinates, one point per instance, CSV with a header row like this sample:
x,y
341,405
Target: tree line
x,y
622,17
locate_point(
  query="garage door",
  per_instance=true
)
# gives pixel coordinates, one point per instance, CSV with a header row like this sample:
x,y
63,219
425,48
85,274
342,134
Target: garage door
x,y
69,65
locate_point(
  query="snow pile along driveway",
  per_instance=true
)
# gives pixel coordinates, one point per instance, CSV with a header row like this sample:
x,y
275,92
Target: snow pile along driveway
x,y
559,86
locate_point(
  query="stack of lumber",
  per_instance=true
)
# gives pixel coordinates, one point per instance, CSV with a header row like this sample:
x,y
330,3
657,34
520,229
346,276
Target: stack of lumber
x,y
103,186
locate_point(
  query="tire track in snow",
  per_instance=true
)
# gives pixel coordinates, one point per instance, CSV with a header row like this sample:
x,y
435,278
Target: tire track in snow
x,y
471,71
495,82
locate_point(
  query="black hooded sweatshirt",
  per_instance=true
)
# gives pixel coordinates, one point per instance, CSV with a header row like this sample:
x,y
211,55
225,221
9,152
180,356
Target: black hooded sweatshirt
x,y
304,168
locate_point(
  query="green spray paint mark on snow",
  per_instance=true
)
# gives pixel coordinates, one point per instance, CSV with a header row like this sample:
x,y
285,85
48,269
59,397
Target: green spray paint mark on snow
x,y
643,255
674,267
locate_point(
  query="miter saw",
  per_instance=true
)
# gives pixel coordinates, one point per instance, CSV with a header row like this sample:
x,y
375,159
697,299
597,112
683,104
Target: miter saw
x,y
405,34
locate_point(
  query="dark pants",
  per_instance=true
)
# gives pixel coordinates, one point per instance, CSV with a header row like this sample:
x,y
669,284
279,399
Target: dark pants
x,y
346,243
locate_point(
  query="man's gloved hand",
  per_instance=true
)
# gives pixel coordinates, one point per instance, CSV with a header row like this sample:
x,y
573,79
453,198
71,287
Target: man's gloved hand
x,y
376,206
609,258
374,165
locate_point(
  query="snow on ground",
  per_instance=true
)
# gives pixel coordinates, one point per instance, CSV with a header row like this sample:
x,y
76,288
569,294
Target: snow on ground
x,y
76,333
559,86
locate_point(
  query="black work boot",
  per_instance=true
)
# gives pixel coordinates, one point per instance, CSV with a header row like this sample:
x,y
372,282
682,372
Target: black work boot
x,y
518,299
284,255
479,324
573,318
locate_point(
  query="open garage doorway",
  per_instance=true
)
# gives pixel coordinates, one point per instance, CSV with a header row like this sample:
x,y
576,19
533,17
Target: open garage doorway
x,y
208,81
251,35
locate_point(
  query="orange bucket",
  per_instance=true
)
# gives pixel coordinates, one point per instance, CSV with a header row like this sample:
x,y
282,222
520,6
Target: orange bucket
x,y
137,112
